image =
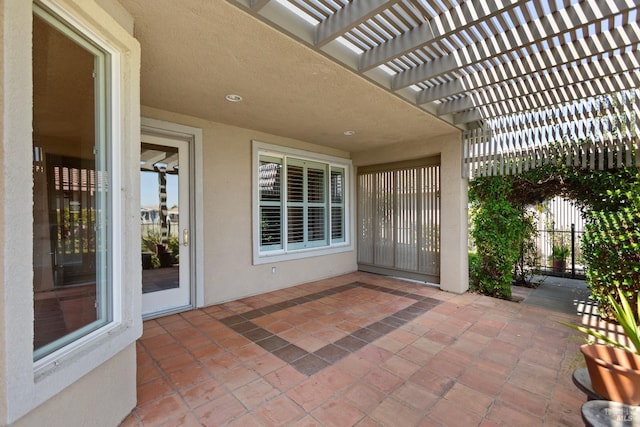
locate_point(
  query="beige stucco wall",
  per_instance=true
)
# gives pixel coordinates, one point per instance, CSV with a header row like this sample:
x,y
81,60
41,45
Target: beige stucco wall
x,y
229,272
3,131
100,398
94,384
454,275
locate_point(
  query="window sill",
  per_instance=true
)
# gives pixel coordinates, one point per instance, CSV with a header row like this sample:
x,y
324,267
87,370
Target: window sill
x,y
278,256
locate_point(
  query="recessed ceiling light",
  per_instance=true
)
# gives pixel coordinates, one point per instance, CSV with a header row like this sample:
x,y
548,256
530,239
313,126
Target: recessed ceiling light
x,y
232,97
349,132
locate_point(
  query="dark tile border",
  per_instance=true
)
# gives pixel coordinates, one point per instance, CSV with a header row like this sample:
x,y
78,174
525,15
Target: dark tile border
x,y
311,363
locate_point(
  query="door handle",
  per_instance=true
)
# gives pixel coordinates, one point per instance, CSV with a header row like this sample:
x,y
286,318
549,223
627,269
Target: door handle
x,y
185,237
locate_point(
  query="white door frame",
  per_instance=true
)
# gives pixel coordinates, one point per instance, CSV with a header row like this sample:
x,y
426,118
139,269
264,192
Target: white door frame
x,y
193,136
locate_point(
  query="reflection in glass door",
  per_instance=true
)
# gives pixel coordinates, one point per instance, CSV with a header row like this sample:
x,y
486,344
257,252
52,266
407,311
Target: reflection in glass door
x,y
164,224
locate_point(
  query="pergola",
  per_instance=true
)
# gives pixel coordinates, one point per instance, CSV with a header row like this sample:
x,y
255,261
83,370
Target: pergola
x,y
512,75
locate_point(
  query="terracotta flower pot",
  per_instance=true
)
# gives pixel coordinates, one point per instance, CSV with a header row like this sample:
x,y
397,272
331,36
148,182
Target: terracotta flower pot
x,y
614,372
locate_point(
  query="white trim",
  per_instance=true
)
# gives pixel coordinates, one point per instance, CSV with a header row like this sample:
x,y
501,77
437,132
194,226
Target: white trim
x,y
262,148
194,137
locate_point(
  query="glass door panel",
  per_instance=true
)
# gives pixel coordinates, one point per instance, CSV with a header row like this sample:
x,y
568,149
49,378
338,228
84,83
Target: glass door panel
x,y
164,224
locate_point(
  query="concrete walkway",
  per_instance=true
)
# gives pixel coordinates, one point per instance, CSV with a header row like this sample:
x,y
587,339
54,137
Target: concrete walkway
x,y
559,294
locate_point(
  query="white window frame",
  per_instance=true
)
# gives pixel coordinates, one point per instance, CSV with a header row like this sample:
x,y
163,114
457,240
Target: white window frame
x,y
32,383
286,253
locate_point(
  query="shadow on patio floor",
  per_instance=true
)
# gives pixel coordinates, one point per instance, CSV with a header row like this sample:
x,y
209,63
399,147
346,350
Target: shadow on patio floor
x,y
569,296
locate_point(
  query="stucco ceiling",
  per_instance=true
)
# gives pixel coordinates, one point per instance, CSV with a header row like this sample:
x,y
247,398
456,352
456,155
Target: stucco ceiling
x,y
194,52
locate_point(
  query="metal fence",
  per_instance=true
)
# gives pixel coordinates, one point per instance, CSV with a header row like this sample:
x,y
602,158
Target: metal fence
x,y
558,244
559,253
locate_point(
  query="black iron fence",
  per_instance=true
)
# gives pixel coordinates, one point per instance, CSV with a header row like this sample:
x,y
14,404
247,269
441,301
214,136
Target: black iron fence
x,y
558,253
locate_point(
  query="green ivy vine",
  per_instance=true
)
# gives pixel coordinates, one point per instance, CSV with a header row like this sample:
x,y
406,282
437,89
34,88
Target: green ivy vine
x,y
609,200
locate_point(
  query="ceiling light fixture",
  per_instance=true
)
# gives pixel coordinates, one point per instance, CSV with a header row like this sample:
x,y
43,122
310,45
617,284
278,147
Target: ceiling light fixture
x,y
349,132
232,97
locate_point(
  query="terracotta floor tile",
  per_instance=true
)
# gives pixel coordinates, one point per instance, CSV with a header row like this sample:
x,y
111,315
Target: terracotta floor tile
x,y
307,421
453,414
334,378
504,414
158,411
310,343
285,378
203,392
310,394
524,400
185,420
483,382
147,372
249,352
160,352
442,360
355,365
472,400
237,377
279,412
337,413
400,366
176,362
196,341
363,396
392,412
415,396
220,411
265,364
432,382
220,364
374,354
247,420
383,380
255,393
207,351
152,390
187,375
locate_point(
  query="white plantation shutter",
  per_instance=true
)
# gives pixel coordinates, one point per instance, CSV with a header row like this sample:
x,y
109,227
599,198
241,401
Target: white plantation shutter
x,y
302,204
337,205
269,188
306,204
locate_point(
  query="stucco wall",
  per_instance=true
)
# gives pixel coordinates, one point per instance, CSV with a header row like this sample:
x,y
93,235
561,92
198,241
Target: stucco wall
x,y
228,270
3,131
91,401
454,275
93,383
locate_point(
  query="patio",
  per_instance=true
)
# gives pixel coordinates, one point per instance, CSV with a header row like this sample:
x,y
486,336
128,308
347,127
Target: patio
x,y
359,349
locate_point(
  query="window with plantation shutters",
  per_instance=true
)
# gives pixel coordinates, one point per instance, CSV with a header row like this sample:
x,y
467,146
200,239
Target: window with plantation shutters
x,y
302,203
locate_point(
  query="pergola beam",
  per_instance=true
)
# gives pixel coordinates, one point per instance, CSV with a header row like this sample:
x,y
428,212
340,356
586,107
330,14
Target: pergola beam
x,y
455,106
435,29
256,5
505,101
348,17
544,29
613,44
467,117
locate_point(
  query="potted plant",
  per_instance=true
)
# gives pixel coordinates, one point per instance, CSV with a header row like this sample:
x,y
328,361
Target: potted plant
x,y
614,367
558,258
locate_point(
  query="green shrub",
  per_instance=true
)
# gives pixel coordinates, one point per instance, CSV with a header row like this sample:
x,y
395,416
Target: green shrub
x,y
497,228
611,246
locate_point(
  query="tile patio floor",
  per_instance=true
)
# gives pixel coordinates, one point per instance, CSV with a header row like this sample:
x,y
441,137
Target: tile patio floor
x,y
359,349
